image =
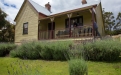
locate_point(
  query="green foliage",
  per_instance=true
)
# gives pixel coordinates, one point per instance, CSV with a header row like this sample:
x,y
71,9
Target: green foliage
x,y
59,50
26,51
104,50
109,21
77,67
2,18
44,50
7,29
117,26
5,48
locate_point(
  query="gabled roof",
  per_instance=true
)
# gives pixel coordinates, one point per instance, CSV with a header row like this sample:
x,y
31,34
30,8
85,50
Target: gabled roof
x,y
39,8
43,10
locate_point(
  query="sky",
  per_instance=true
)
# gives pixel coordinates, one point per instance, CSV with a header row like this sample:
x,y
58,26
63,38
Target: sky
x,y
11,7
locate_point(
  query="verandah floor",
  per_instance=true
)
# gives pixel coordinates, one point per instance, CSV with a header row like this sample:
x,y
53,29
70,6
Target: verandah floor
x,y
69,39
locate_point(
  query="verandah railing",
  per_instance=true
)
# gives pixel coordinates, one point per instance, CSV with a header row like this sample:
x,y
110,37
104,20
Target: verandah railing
x,y
75,32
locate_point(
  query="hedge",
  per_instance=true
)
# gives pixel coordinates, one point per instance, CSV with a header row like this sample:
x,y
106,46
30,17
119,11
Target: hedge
x,y
104,50
42,50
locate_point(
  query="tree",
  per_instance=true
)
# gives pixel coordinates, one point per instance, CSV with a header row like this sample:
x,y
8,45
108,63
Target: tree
x,y
7,29
109,21
118,25
2,18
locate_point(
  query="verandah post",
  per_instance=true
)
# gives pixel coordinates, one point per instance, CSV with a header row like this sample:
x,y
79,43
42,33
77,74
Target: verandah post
x,y
93,33
38,30
69,16
52,20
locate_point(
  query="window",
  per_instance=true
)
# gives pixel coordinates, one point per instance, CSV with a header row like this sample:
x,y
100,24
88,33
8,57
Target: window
x,y
25,28
78,20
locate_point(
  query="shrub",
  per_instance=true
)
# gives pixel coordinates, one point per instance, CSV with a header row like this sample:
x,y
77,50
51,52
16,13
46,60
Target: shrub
x,y
54,50
26,50
44,50
76,52
104,50
77,67
59,50
5,48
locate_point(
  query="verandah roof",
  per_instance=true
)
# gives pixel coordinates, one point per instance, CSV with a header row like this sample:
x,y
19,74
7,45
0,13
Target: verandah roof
x,y
44,11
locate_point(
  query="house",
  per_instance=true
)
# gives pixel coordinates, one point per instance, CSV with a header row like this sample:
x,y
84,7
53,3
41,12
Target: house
x,y
35,22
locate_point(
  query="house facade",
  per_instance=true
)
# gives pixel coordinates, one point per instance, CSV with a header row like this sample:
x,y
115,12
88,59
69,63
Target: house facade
x,y
34,22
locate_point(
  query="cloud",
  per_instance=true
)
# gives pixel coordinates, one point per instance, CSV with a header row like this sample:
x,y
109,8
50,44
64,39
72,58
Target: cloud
x,y
11,7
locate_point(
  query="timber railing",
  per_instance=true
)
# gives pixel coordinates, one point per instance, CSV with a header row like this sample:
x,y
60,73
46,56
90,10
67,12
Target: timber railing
x,y
74,32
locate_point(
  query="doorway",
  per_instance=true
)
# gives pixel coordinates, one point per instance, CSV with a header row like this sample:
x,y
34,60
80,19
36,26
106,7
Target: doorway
x,y
51,30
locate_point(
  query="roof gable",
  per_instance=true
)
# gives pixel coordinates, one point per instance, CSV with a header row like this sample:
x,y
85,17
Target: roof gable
x,y
20,9
36,6
39,8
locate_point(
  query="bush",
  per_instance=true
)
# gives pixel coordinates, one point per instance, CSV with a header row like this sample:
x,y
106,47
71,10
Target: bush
x,y
54,50
26,50
77,67
5,48
104,50
59,50
44,50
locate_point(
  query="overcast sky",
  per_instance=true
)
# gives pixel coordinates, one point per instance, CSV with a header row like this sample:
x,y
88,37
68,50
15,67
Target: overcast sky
x,y
11,7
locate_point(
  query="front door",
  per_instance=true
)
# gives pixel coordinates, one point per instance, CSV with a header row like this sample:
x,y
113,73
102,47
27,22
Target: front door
x,y
51,30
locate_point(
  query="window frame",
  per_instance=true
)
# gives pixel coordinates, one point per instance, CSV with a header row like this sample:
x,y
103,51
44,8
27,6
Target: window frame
x,y
25,30
74,18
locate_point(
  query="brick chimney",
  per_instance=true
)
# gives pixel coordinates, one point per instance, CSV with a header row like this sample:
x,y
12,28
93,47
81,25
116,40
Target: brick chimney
x,y
84,2
48,6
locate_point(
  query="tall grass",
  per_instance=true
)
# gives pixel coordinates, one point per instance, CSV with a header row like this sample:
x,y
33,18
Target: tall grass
x,y
77,67
77,64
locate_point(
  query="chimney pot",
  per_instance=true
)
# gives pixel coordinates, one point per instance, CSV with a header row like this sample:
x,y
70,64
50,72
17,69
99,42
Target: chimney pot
x,y
48,6
84,2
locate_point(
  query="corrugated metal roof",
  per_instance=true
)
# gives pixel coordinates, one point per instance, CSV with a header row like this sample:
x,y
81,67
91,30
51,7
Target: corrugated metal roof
x,y
39,8
77,7
43,10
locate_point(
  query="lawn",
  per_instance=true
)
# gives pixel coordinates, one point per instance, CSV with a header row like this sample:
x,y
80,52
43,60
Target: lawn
x,y
33,67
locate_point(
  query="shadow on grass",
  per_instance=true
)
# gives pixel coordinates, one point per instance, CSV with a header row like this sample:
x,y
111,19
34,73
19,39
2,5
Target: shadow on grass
x,y
116,61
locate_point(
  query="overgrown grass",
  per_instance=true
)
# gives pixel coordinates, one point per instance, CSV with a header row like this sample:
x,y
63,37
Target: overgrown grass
x,y
56,67
77,67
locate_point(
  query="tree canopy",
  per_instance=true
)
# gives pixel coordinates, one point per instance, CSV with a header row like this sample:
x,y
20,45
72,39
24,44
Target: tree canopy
x,y
112,24
7,29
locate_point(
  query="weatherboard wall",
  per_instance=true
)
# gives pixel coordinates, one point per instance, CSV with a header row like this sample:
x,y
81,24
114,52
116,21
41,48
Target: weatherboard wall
x,y
30,15
99,18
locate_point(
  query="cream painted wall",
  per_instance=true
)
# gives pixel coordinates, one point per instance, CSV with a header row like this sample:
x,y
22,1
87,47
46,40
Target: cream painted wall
x,y
87,17
27,14
100,19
